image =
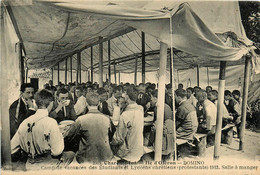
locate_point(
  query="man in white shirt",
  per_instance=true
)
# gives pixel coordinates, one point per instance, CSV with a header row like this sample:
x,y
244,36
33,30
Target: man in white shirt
x,y
39,135
129,132
112,101
81,104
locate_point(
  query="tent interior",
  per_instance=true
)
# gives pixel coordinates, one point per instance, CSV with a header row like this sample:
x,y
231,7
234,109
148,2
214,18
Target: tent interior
x,y
46,32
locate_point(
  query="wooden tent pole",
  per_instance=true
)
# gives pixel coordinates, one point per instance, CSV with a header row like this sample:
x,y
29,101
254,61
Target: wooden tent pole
x,y
22,72
26,78
79,66
198,75
91,62
5,132
244,102
136,62
109,64
77,74
115,70
52,74
208,75
100,75
66,66
220,106
71,69
119,77
171,75
143,57
160,102
58,72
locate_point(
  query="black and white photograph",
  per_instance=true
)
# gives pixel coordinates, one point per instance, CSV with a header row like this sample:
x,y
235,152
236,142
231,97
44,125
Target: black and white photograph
x,y
130,87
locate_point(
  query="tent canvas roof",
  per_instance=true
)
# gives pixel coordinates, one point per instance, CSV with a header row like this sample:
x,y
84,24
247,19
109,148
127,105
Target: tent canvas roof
x,y
52,30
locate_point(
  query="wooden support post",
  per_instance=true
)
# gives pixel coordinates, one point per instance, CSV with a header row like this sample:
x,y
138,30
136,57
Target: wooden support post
x,y
198,75
26,78
208,75
115,70
220,106
66,66
173,105
91,62
143,57
136,63
160,102
100,75
171,63
52,74
88,76
119,78
22,72
109,58
58,72
71,69
4,89
79,67
244,102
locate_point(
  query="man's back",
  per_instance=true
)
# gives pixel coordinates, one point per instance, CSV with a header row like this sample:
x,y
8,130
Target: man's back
x,y
130,133
94,145
186,120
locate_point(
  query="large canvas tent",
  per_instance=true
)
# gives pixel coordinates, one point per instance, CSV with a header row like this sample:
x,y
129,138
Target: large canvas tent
x,y
49,31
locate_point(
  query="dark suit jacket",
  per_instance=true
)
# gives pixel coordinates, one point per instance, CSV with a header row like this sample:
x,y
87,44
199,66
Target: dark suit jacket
x,y
104,108
60,116
24,113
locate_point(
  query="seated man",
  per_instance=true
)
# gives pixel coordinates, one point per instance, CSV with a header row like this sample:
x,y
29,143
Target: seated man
x,y
213,97
63,108
234,109
129,132
209,113
190,96
186,116
81,104
113,101
93,129
143,98
39,136
21,108
102,106
167,145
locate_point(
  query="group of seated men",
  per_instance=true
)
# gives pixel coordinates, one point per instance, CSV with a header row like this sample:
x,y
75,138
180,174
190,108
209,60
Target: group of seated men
x,y
108,121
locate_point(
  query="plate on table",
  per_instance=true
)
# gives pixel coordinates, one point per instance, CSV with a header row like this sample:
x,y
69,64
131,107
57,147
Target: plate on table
x,y
66,122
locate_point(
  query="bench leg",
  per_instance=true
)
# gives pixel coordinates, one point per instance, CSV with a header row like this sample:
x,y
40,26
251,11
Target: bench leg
x,y
201,146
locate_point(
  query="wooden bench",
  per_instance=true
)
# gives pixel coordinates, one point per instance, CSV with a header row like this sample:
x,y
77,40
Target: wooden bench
x,y
227,134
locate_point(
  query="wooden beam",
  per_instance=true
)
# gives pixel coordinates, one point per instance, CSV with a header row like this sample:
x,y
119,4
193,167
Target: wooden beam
x,y
66,67
160,102
143,57
21,62
244,102
115,71
109,63
58,72
220,106
71,69
52,74
78,68
136,63
79,55
119,77
171,63
198,75
91,63
100,74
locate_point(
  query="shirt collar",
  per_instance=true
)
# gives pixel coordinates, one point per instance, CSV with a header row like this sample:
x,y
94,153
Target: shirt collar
x,y
93,108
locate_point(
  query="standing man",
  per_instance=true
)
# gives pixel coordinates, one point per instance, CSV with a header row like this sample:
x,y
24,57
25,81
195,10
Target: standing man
x,y
63,108
129,132
39,136
21,108
186,116
93,130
